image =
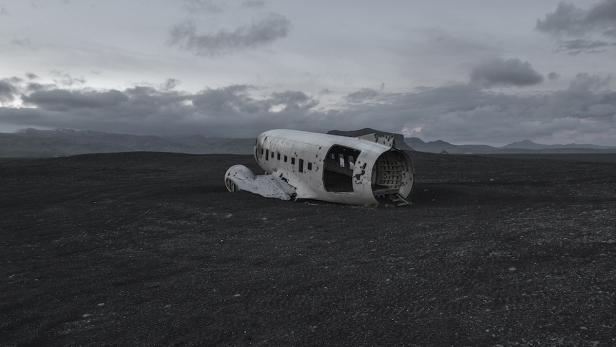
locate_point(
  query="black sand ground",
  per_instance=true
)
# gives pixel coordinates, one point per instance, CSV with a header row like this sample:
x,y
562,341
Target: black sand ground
x,y
148,248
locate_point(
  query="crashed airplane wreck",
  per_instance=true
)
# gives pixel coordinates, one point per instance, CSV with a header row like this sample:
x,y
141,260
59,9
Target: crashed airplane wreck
x,y
364,170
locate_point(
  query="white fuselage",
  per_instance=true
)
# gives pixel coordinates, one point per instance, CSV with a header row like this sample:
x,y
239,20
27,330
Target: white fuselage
x,y
333,168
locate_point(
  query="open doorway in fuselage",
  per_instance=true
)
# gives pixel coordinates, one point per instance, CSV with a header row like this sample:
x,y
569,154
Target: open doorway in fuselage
x,y
338,168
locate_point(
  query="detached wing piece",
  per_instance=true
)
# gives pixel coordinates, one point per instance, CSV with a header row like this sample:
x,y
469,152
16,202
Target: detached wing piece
x,y
239,177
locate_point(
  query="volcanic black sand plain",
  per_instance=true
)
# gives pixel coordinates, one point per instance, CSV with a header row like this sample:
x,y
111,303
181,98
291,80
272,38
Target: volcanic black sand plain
x,y
150,249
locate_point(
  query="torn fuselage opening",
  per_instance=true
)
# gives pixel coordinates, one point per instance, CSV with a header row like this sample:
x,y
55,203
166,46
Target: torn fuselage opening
x,y
392,174
338,168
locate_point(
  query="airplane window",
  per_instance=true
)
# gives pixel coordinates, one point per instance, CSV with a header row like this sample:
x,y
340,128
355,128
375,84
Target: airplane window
x,y
272,155
278,155
285,158
309,166
301,165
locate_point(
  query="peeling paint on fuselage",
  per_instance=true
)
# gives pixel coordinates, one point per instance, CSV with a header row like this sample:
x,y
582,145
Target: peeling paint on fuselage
x,y
361,174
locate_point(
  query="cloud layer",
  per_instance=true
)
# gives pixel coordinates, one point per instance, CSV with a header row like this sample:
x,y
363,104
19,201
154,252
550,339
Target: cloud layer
x,y
364,94
501,72
442,77
583,112
7,91
589,30
262,32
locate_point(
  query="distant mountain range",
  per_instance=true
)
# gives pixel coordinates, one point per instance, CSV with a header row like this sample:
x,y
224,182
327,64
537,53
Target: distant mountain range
x,y
440,146
525,146
63,142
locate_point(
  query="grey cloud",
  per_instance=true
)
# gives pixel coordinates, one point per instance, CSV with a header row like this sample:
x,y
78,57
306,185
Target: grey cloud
x,y
500,72
265,31
66,79
229,111
171,83
586,83
585,25
32,87
65,100
226,101
235,101
12,87
553,76
15,80
293,101
3,11
578,46
7,90
465,113
567,19
208,6
603,13
586,110
362,95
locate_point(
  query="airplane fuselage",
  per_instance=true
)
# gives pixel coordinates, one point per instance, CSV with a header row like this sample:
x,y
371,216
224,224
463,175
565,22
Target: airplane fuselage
x,y
334,168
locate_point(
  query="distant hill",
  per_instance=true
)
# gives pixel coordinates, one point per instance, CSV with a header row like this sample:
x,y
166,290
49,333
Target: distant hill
x,y
64,142
571,147
525,146
441,146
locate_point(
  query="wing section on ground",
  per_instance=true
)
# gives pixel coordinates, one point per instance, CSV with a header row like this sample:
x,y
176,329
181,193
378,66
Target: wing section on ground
x,y
239,177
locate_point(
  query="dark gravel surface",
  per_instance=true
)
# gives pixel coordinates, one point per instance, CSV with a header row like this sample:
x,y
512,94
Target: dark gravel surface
x,y
149,249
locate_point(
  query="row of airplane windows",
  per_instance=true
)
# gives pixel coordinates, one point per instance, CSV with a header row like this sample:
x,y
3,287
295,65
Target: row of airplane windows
x,y
278,156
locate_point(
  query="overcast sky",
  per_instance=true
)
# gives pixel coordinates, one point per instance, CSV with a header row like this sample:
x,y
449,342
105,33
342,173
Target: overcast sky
x,y
473,71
